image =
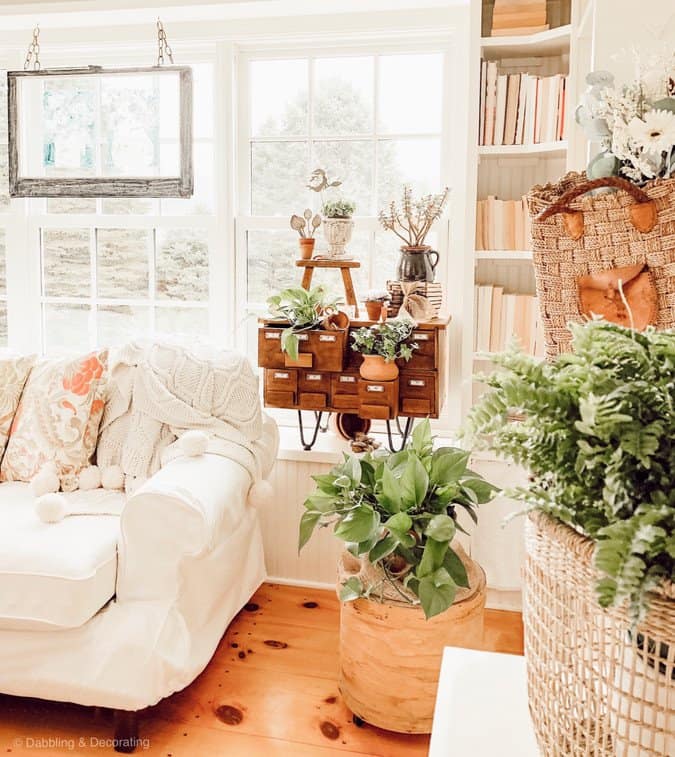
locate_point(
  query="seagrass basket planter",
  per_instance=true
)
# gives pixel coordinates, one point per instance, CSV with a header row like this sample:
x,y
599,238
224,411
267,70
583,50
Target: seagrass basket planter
x,y
597,686
583,242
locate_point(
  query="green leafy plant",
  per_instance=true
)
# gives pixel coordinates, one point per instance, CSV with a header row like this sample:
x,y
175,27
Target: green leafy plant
x,y
304,309
338,209
385,339
399,510
597,436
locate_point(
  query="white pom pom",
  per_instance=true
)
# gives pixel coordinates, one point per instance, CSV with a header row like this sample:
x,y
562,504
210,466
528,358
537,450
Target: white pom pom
x,y
112,477
90,478
51,508
193,443
260,494
46,481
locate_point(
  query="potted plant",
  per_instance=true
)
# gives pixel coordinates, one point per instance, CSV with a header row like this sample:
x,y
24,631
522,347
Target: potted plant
x,y
407,588
381,345
338,226
596,432
411,220
306,226
376,303
303,309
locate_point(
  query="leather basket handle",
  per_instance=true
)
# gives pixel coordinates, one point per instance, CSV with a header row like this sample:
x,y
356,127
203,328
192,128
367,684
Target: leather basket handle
x,y
642,215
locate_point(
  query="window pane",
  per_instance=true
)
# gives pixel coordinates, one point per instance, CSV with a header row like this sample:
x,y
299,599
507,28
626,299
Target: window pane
x,y
3,253
182,264
121,206
278,92
203,96
178,322
408,161
279,175
66,262
71,205
271,263
410,93
122,262
353,162
117,324
131,109
343,96
4,171
66,328
202,201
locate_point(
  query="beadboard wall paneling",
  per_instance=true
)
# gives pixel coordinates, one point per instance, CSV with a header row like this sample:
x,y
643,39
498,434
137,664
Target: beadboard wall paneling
x,y
511,178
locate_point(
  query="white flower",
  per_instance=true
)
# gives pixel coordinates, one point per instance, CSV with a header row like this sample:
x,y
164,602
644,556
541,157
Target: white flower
x,y
655,132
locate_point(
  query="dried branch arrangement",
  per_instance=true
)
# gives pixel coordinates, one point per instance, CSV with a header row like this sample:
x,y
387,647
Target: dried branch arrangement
x,y
412,219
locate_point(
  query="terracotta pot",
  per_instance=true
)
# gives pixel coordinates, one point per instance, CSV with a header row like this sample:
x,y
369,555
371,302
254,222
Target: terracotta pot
x,y
375,368
374,308
336,321
390,655
306,247
348,425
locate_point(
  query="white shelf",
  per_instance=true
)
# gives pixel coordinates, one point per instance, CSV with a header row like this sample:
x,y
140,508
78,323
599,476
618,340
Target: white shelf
x,y
550,42
519,255
514,151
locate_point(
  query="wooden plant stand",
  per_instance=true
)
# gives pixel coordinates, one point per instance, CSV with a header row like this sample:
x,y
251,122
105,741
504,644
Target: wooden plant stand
x,y
343,265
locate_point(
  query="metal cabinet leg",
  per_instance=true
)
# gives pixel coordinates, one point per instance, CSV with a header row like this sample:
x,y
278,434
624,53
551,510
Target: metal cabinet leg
x,y
405,433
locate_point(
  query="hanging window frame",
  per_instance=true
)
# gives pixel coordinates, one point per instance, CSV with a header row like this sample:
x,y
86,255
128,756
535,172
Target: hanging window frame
x,y
181,186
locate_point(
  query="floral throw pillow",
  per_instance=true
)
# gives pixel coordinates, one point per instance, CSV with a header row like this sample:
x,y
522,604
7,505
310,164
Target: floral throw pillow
x,y
57,418
13,375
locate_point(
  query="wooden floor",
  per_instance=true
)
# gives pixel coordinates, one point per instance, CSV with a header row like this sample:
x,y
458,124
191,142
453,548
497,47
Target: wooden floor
x,y
270,691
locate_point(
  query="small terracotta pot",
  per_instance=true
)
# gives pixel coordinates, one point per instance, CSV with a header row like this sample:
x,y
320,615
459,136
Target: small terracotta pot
x,y
374,308
375,368
306,247
336,321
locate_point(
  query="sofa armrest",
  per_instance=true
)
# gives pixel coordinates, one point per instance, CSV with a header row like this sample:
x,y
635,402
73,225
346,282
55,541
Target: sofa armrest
x,y
180,513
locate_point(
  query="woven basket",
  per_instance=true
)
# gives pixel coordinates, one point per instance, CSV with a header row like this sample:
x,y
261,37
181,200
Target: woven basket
x,y
596,686
608,237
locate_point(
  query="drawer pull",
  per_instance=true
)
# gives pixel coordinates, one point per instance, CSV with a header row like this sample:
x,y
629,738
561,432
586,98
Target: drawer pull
x,y
281,375
327,338
272,335
374,388
416,382
347,379
313,377
421,337
302,337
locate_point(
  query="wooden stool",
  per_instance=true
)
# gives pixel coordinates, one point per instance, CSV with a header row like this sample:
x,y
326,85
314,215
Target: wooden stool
x,y
343,265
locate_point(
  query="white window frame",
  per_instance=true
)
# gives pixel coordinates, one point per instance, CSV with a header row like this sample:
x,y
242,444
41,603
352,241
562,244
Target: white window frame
x,y
245,221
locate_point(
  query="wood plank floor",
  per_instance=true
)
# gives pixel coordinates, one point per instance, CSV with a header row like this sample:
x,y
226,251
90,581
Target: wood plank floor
x,y
270,690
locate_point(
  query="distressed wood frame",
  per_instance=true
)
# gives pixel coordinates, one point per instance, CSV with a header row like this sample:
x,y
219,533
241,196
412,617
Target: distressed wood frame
x,y
123,186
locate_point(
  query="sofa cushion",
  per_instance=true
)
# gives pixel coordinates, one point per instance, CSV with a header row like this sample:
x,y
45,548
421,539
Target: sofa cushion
x,y
13,374
55,575
57,419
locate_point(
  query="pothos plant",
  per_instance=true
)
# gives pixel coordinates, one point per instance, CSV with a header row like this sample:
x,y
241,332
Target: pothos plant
x,y
399,511
304,309
385,339
597,435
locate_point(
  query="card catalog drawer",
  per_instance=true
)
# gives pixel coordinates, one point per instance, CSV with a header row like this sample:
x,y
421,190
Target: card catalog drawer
x,y
277,398
418,393
378,394
283,379
425,356
328,349
312,400
314,381
269,348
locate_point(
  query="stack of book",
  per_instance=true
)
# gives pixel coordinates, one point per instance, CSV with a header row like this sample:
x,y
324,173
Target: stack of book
x,y
500,316
502,224
510,17
520,109
432,290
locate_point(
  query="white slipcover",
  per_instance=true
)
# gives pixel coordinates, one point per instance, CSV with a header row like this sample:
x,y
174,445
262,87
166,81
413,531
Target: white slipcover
x,y
190,556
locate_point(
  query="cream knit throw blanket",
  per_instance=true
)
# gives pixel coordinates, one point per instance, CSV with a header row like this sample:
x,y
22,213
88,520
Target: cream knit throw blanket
x,y
157,391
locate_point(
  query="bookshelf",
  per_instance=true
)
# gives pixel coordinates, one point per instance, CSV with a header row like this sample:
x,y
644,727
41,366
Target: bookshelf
x,y
507,171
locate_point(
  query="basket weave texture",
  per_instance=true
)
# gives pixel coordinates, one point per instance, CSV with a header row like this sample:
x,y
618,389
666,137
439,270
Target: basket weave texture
x,y
596,685
609,240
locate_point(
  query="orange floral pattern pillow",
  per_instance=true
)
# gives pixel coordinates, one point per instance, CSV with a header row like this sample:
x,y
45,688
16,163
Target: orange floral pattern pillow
x,y
57,418
13,375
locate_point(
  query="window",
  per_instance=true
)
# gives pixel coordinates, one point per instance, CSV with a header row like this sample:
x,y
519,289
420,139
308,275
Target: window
x,y
374,120
4,207
115,268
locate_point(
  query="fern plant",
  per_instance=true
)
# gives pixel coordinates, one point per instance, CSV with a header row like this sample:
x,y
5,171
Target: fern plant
x,y
596,430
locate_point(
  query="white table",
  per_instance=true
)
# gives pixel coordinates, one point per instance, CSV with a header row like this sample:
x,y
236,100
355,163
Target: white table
x,y
481,707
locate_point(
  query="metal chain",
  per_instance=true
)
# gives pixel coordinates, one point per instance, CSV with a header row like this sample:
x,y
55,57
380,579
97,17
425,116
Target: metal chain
x,y
33,54
163,45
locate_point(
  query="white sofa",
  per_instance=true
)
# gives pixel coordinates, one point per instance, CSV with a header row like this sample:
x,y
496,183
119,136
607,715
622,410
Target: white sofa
x,y
121,611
